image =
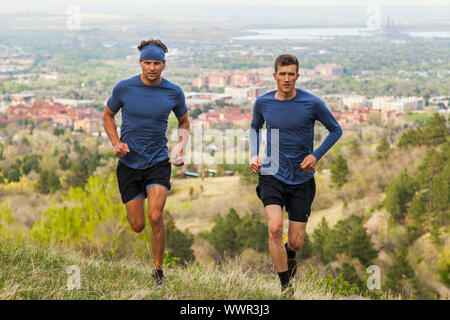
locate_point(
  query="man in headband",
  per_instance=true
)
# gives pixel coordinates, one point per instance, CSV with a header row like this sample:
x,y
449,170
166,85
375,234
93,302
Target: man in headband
x,y
144,169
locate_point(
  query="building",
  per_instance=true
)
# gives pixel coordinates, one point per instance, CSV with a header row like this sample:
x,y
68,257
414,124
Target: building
x,y
401,104
249,93
220,80
355,102
89,120
244,78
329,69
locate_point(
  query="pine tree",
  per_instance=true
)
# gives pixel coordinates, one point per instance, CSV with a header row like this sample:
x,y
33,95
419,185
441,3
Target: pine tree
x,y
339,171
178,243
383,149
435,131
320,235
398,194
223,235
417,210
399,272
410,138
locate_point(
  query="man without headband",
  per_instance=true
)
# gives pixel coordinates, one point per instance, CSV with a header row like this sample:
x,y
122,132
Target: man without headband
x,y
143,170
292,112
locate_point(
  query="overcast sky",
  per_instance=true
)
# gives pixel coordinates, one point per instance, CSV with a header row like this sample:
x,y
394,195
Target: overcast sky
x,y
56,4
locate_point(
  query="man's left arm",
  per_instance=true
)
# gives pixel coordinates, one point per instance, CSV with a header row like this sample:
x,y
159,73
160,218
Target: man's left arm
x,y
334,133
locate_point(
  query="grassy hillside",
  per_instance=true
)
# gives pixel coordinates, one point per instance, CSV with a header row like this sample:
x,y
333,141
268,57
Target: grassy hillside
x,y
32,272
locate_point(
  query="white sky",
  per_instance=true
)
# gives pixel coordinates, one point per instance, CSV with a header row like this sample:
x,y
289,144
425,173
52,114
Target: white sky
x,y
23,4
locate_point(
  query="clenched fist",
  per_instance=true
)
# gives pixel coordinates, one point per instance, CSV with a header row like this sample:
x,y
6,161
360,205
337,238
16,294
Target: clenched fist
x,y
255,164
121,149
309,163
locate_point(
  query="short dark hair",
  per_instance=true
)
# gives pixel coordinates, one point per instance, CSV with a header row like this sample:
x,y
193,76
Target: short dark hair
x,y
150,41
286,60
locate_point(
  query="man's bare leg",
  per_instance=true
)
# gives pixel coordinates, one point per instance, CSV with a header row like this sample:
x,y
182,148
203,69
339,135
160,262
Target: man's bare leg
x,y
136,213
296,235
157,195
274,216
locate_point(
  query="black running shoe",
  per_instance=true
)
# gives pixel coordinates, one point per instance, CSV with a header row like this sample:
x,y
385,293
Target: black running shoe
x,y
291,262
287,290
158,277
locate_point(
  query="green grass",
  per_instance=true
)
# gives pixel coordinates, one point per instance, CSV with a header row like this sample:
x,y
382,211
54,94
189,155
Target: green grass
x,y
36,272
419,118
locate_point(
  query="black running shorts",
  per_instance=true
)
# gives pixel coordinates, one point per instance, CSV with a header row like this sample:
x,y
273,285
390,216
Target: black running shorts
x,y
135,182
297,198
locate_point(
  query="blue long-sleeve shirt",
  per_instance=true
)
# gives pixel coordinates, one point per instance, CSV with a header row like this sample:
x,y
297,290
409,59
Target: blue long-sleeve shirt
x,y
294,120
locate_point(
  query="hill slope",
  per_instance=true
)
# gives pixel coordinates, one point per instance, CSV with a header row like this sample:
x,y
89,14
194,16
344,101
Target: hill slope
x,y
31,272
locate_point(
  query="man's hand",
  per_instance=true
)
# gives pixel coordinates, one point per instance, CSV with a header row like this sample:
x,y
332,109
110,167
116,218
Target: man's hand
x,y
121,149
309,163
255,164
177,156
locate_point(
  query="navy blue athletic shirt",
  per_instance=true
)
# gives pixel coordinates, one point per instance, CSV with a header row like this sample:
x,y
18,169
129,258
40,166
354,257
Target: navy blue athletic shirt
x,y
295,120
145,111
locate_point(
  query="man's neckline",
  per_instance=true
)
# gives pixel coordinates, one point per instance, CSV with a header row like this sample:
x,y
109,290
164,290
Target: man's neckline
x,y
147,85
296,93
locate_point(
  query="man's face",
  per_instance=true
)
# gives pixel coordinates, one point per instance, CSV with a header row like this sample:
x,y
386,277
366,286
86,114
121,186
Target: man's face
x,y
152,69
286,77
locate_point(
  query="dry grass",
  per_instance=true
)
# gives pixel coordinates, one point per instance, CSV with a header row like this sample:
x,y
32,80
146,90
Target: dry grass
x,y
31,272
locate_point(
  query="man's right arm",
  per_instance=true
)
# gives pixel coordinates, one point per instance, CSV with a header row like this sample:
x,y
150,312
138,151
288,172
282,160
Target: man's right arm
x,y
256,125
120,149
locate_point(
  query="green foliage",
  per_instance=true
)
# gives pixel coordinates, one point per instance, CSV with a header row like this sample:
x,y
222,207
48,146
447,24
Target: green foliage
x,y
252,232
83,167
195,113
346,283
383,149
31,162
13,174
444,267
223,235
339,171
307,249
417,210
400,274
48,182
178,243
420,118
440,190
232,234
398,194
348,236
435,234
58,131
64,162
435,131
431,165
410,138
169,261
320,236
93,219
6,220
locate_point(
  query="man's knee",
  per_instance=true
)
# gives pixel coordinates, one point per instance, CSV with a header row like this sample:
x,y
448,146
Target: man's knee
x,y
275,230
295,244
137,226
155,216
